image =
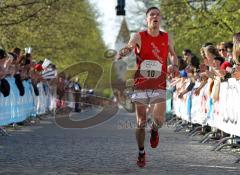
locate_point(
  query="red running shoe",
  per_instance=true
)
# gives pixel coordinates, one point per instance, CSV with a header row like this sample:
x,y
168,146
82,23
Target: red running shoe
x,y
141,162
154,139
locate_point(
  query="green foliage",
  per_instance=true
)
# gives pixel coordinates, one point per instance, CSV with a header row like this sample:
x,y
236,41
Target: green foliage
x,y
194,22
64,30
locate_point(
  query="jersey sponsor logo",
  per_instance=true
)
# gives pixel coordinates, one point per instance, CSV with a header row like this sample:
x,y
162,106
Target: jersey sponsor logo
x,y
156,52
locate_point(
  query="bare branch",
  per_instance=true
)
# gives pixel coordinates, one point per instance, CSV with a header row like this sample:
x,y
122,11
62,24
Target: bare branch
x,y
26,18
227,26
15,6
24,13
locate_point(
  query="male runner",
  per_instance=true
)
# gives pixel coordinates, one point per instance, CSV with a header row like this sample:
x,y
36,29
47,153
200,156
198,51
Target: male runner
x,y
151,48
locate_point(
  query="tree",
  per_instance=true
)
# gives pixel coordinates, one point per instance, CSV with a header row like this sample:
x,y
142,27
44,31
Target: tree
x,y
194,22
62,30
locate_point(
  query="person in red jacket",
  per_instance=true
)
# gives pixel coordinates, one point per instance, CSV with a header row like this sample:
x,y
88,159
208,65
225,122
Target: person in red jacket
x,y
152,48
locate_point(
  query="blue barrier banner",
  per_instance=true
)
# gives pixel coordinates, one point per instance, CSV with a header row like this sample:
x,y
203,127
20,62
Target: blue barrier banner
x,y
15,108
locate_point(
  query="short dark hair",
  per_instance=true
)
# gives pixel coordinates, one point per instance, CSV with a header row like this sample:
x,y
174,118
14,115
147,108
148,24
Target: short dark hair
x,y
187,51
207,44
229,45
219,58
152,8
16,50
2,53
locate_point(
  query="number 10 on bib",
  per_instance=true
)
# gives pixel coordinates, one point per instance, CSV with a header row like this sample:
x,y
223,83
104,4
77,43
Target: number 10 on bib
x,y
151,68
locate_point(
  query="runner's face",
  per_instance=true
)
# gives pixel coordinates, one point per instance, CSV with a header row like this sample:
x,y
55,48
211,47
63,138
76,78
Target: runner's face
x,y
153,19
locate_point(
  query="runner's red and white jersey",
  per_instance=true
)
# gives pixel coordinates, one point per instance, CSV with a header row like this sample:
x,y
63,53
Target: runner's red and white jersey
x,y
151,61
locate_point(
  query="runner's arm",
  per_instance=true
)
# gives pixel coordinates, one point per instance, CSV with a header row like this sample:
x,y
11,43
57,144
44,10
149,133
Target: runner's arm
x,y
133,42
173,56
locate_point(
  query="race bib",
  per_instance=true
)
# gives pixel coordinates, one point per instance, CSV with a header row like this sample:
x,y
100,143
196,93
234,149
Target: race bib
x,y
151,69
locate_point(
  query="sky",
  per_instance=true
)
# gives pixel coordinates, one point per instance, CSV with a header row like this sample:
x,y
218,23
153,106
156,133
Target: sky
x,y
110,23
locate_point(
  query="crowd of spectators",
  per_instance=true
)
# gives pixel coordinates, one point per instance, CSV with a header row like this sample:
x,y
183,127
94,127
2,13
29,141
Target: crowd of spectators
x,y
219,61
22,66
34,86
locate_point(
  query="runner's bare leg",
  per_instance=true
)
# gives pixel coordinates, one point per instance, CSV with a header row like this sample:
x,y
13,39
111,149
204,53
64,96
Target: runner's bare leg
x,y
141,123
158,114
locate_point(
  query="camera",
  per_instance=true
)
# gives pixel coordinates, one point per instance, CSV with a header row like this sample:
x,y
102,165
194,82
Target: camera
x,y
28,50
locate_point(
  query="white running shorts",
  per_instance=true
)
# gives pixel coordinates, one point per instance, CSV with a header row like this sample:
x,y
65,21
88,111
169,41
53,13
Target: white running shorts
x,y
148,96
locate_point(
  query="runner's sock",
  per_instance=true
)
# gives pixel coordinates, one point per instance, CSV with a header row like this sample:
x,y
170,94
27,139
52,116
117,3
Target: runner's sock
x,y
141,150
156,126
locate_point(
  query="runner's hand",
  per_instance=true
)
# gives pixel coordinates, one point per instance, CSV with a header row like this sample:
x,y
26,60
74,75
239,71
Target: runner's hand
x,y
118,57
125,51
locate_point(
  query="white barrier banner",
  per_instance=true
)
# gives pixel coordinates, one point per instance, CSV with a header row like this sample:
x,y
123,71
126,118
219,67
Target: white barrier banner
x,y
223,114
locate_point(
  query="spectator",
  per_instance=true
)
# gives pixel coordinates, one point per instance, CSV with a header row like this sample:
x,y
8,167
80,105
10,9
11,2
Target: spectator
x,y
77,92
229,47
60,90
209,52
181,63
190,59
222,50
2,54
236,55
220,66
189,73
236,48
17,52
203,79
